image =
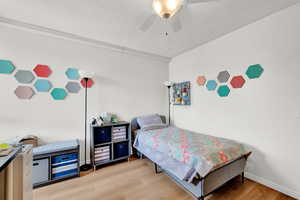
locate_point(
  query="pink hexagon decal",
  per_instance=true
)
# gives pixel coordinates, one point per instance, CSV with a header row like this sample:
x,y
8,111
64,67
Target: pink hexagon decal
x,y
42,71
237,82
201,80
24,92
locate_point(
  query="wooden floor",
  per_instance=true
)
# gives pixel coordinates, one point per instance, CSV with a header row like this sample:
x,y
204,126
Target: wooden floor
x,y
137,180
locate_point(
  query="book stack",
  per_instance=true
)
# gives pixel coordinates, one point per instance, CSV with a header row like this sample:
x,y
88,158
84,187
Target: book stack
x,y
119,133
102,154
5,149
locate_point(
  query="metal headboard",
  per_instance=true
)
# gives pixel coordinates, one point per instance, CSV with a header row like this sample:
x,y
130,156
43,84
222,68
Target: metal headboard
x,y
135,125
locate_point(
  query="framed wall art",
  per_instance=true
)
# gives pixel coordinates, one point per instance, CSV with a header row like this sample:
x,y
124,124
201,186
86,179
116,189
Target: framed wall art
x,y
182,93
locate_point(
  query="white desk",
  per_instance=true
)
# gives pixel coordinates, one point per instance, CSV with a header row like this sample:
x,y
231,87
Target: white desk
x,y
15,175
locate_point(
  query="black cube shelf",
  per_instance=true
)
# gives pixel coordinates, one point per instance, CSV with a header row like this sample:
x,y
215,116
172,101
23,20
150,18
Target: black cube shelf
x,y
110,142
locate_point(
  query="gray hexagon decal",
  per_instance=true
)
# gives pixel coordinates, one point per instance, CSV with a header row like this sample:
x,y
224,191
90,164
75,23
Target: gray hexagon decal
x,y
223,76
24,92
24,76
73,87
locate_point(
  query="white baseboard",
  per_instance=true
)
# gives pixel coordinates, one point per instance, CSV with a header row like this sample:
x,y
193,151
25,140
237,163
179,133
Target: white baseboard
x,y
273,185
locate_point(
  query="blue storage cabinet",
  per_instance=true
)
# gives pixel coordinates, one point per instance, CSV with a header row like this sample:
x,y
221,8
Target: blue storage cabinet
x,y
55,162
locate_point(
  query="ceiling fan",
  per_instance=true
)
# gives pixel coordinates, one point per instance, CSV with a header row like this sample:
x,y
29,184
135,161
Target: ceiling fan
x,y
168,10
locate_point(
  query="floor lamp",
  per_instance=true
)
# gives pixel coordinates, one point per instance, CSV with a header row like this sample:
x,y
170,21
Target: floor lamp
x,y
86,77
169,84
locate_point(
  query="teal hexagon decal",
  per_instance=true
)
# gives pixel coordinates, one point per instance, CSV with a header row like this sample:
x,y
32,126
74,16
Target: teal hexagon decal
x,y
254,71
211,85
59,94
42,85
6,67
72,74
223,91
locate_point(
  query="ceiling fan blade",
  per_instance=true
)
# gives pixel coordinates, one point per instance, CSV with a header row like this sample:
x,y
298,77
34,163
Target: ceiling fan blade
x,y
176,24
148,23
200,1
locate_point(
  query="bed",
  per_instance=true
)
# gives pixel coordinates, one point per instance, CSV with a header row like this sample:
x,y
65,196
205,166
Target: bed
x,y
198,163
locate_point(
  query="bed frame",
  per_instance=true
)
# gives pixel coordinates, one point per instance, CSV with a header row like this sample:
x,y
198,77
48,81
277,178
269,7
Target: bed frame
x,y
212,181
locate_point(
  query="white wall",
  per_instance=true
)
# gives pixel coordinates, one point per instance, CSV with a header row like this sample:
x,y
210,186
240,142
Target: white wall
x,y
127,85
265,113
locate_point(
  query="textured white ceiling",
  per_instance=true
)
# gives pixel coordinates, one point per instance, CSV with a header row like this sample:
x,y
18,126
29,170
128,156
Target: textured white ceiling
x,y
117,21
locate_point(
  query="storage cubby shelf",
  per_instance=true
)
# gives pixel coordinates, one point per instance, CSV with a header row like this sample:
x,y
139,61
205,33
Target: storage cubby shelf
x,y
104,148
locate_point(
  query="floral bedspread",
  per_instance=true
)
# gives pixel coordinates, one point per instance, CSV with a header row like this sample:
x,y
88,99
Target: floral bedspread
x,y
186,153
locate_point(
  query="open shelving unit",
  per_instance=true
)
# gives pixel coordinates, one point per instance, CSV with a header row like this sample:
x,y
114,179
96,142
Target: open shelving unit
x,y
110,143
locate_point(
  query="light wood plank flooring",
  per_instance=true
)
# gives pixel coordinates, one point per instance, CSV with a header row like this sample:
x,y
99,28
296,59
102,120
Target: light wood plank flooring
x,y
137,180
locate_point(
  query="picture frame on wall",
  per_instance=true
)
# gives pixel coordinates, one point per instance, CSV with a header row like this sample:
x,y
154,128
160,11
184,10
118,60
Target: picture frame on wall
x,y
182,93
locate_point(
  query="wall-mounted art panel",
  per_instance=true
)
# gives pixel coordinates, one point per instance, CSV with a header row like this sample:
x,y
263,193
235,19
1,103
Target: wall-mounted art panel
x,y
59,94
24,92
72,74
223,76
6,67
201,80
73,87
211,85
24,76
237,82
223,91
42,71
182,93
89,83
254,71
42,85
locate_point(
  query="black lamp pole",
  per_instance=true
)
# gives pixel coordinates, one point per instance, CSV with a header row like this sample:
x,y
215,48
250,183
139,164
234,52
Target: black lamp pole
x,y
169,104
86,166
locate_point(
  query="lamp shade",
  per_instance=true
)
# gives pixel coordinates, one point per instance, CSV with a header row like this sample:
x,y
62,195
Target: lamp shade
x,y
86,74
166,8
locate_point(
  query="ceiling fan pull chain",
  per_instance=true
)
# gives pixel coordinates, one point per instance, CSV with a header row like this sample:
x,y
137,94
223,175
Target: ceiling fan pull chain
x,y
166,21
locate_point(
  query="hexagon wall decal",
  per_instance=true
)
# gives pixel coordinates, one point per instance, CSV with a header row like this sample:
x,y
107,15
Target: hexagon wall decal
x,y
42,71
223,76
223,91
72,74
6,67
211,85
237,82
42,85
59,94
89,83
254,71
24,76
201,80
73,87
24,92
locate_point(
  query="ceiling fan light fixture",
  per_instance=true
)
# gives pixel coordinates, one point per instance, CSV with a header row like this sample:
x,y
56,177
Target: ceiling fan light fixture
x,y
166,8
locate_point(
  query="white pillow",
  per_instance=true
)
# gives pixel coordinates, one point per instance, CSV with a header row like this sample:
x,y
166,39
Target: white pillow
x,y
149,120
154,127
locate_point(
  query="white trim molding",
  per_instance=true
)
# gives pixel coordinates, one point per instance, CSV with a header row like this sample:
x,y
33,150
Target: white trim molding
x,y
273,185
78,38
